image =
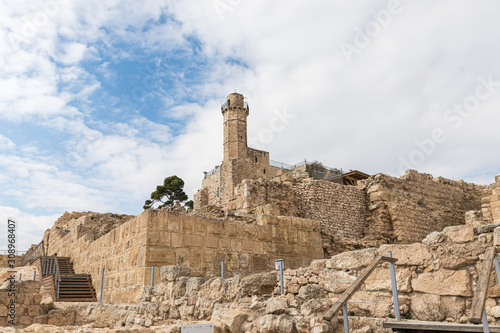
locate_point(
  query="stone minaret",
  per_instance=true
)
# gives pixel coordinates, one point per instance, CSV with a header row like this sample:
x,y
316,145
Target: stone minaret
x,y
235,112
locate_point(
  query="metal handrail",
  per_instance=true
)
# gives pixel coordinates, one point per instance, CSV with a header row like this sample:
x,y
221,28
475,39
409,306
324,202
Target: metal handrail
x,y
58,275
211,172
33,253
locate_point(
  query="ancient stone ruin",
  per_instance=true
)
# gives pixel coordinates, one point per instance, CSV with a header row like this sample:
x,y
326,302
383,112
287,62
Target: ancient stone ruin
x,y
249,212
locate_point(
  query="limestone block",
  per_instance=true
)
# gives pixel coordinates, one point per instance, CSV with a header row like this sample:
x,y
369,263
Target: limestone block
x,y
311,291
456,256
460,233
444,282
371,304
335,281
285,324
276,305
231,318
496,237
495,312
427,307
380,279
171,273
410,255
266,219
452,306
160,254
352,260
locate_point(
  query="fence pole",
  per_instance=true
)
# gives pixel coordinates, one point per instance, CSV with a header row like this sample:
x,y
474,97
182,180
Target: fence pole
x,y
34,275
278,263
486,329
152,276
222,269
102,284
20,275
346,318
394,288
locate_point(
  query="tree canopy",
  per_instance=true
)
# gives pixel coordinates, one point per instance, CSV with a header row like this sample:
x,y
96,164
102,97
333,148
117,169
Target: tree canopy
x,y
168,194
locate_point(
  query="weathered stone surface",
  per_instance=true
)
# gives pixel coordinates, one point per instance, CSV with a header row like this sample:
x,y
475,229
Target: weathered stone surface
x,y
311,291
232,318
452,307
427,307
455,256
352,260
276,305
411,255
170,273
335,281
444,282
495,312
380,279
460,233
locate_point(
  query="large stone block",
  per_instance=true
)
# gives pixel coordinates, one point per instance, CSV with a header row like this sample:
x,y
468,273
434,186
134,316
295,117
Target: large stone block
x,y
380,279
444,282
410,255
460,233
156,255
352,260
427,307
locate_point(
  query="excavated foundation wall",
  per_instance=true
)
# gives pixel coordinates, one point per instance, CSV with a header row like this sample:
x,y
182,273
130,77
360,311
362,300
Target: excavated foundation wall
x,y
158,237
406,209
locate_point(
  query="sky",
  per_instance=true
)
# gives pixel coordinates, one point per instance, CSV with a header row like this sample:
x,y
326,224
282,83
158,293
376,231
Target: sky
x,y
101,100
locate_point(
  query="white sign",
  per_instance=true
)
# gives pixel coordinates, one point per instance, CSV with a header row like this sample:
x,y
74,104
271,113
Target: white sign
x,y
277,264
198,328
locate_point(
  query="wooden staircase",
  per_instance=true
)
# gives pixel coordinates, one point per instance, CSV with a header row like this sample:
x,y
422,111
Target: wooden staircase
x,y
60,281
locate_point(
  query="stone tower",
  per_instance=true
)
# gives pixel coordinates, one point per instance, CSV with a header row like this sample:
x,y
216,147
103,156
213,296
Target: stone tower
x,y
235,113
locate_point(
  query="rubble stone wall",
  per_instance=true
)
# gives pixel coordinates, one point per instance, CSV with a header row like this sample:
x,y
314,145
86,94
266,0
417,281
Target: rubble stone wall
x,y
436,281
406,209
265,197
340,209
28,301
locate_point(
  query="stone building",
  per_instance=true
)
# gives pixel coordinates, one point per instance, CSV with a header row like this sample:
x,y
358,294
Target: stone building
x,y
240,162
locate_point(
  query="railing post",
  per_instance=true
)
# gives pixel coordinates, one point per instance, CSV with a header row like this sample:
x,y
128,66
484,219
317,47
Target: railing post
x,y
394,288
20,275
152,276
346,318
102,284
222,269
278,263
486,329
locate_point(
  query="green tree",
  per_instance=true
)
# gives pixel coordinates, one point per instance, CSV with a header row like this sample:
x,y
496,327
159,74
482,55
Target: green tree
x,y
168,194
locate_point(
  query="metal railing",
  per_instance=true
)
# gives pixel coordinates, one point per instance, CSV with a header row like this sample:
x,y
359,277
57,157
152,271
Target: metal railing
x,y
225,105
211,172
58,276
33,253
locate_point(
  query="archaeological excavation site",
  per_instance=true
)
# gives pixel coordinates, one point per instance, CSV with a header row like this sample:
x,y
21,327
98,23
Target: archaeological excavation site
x,y
271,247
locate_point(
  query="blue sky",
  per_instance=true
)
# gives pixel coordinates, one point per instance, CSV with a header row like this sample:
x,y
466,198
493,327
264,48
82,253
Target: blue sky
x,y
99,101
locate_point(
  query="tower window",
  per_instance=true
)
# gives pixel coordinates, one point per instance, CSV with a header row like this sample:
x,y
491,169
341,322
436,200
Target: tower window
x,y
255,159
241,138
218,192
264,171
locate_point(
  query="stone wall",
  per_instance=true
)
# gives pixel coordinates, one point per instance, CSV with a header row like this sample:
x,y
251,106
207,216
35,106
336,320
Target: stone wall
x,y
436,281
29,306
340,209
406,209
494,200
265,197
158,237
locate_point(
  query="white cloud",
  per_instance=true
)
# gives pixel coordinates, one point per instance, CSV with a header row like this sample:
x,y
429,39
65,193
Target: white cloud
x,y
363,114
